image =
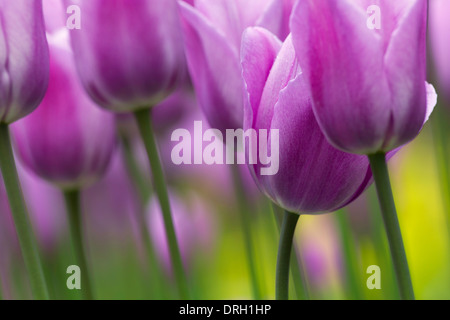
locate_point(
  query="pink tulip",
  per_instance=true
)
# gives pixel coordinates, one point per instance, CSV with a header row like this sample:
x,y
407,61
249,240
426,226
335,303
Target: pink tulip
x,y
128,56
68,140
366,71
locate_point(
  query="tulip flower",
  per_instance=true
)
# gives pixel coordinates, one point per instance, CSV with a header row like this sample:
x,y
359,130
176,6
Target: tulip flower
x,y
439,26
24,72
130,58
365,65
68,140
367,80
313,177
212,34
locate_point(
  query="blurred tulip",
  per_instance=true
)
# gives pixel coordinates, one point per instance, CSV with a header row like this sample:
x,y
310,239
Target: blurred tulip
x,y
128,57
440,45
366,72
313,176
24,64
194,227
67,140
212,34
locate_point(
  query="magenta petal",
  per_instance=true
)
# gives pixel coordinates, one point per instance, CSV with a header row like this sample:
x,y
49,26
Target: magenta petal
x,y
258,53
314,177
214,68
343,62
405,66
23,58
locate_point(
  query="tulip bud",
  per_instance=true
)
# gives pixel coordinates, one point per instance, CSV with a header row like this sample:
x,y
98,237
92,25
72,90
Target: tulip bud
x,y
313,176
128,57
23,58
68,140
366,67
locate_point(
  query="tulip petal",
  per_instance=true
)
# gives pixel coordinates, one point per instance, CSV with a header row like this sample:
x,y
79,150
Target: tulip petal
x,y
343,62
258,52
217,79
23,58
405,67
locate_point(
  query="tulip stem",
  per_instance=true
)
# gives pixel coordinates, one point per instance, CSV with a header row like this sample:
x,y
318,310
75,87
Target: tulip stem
x,y
391,224
144,121
297,269
244,209
352,268
72,199
144,192
284,255
22,223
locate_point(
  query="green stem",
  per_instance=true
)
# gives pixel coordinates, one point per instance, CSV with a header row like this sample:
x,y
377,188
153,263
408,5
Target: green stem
x,y
143,118
284,255
440,136
379,237
72,199
244,210
25,234
143,190
387,205
297,273
349,255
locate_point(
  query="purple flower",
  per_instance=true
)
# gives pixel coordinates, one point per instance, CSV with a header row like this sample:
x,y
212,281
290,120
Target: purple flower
x,y
212,33
313,176
366,68
23,58
440,44
68,140
128,56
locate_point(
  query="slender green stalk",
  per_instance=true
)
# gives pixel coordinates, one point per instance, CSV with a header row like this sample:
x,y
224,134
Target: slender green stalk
x,y
244,210
25,234
297,270
284,255
440,136
387,205
72,199
143,118
350,258
378,234
143,190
